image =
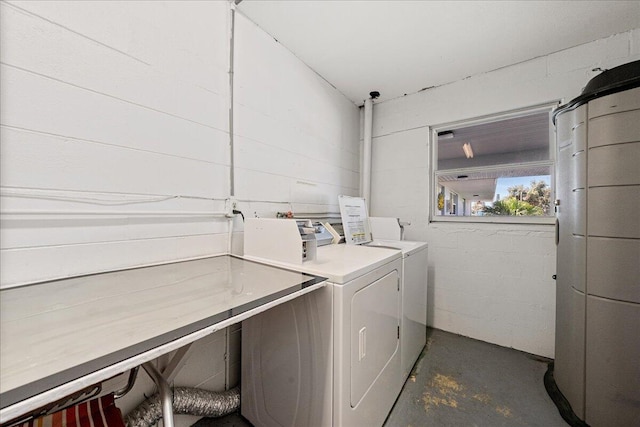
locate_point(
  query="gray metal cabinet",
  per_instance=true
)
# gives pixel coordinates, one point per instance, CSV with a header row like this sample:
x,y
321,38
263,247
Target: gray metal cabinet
x,y
570,229
597,365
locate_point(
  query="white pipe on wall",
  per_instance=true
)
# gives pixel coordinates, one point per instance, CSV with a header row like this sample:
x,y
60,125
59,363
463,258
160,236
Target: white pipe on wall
x,y
232,21
366,152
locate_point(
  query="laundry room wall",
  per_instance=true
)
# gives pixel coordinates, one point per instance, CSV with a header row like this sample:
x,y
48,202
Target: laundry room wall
x,y
115,130
115,135
487,281
116,149
296,138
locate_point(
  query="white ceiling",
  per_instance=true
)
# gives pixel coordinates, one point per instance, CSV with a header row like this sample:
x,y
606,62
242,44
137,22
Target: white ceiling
x,y
400,47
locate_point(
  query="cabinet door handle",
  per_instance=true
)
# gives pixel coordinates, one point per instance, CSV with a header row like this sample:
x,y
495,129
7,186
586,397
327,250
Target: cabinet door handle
x,y
557,231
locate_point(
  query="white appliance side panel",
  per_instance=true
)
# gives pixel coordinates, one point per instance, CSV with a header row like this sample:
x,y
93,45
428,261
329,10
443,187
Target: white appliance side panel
x,y
375,319
413,328
287,356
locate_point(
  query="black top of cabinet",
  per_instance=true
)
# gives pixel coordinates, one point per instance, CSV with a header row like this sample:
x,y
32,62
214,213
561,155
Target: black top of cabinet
x,y
617,79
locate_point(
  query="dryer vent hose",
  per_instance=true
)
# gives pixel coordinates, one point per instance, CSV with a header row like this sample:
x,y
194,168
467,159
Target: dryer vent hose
x,y
186,400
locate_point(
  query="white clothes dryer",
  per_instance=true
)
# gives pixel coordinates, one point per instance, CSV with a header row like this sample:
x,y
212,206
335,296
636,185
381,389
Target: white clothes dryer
x,y
413,323
331,358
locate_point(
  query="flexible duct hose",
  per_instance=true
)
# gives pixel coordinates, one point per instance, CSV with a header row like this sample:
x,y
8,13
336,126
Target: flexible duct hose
x,y
186,400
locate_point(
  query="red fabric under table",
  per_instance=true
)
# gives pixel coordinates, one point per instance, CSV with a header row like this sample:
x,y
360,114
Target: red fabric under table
x,y
100,412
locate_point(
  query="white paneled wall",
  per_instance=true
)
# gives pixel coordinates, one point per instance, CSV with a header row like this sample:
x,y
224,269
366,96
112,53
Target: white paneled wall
x,y
296,137
488,281
115,144
114,127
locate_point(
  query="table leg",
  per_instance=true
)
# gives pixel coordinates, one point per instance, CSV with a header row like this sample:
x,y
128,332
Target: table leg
x,y
164,391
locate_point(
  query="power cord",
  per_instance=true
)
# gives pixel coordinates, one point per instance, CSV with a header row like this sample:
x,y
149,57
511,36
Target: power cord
x,y
236,212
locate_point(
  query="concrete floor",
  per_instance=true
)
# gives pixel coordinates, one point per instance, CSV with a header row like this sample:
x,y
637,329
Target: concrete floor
x,y
459,381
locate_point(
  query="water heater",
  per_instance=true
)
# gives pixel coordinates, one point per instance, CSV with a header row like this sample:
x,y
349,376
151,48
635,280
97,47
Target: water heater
x,y
596,374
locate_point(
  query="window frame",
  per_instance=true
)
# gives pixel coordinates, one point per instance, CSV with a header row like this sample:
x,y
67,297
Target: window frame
x,y
434,173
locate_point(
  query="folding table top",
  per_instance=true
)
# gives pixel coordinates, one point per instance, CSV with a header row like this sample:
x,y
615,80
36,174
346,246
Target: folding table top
x,y
60,336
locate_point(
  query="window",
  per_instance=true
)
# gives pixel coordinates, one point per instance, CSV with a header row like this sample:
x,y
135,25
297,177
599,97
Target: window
x,y
495,169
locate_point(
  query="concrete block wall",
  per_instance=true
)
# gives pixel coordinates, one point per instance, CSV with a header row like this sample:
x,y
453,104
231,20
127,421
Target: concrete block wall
x,y
296,137
109,108
113,107
292,128
487,281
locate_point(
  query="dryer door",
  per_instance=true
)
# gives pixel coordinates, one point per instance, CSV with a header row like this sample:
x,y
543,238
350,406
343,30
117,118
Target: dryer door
x,y
375,320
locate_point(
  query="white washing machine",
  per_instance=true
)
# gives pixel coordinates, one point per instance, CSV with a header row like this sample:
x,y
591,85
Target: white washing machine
x,y
331,357
364,231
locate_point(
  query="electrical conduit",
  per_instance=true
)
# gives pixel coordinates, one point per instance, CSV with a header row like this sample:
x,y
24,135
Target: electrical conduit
x,y
366,148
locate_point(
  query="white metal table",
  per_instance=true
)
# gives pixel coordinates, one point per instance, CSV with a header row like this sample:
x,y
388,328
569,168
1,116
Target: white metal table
x,y
59,337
